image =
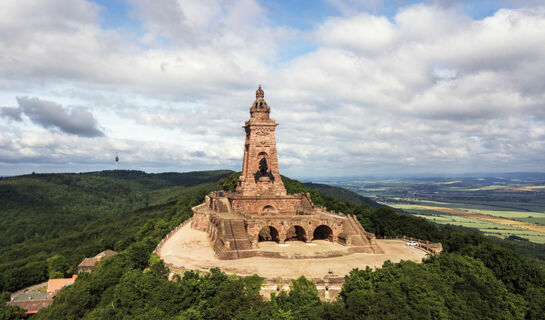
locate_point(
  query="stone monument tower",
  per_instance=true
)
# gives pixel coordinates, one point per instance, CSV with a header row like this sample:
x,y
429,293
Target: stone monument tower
x,y
261,209
260,174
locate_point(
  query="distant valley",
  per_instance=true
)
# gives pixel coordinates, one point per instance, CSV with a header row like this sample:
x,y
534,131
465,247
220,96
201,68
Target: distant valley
x,y
510,205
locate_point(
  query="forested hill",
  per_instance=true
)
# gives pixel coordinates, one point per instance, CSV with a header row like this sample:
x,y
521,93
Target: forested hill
x,y
40,205
65,217
79,215
343,194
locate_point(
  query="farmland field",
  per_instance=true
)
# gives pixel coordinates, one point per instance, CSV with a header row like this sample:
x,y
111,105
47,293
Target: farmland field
x,y
488,228
493,228
500,205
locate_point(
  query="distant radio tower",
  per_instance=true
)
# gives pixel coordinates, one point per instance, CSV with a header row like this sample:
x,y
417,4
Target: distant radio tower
x,y
116,161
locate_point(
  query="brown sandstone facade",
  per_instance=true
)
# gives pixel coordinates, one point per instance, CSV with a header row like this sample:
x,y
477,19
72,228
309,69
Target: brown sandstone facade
x,y
261,209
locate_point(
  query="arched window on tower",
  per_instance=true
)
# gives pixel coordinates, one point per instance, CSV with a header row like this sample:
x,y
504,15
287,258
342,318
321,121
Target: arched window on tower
x,y
268,211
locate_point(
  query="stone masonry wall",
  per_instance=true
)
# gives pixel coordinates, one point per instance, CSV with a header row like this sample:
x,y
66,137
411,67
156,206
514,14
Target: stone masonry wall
x,y
201,217
280,206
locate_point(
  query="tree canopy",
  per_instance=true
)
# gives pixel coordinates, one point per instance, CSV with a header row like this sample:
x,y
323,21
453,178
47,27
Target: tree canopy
x,y
474,278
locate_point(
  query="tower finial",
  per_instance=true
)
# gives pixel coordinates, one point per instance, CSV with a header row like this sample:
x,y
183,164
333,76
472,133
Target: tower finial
x,y
259,93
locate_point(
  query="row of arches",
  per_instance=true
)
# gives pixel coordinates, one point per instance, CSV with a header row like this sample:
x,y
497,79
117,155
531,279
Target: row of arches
x,y
296,233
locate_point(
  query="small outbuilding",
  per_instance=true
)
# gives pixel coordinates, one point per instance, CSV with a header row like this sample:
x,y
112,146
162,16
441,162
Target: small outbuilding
x,y
87,264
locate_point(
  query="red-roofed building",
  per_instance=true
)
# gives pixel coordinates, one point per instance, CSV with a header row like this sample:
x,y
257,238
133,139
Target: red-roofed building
x,y
54,286
33,301
31,306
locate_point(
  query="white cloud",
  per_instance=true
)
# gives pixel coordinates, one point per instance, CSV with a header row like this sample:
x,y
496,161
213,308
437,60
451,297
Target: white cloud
x,y
237,42
428,89
363,33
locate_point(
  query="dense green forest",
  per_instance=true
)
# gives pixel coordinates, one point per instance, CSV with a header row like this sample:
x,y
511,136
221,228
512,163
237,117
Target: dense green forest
x,y
79,215
475,278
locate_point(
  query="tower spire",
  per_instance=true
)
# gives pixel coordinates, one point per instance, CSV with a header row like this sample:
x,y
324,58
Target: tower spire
x,y
260,109
259,93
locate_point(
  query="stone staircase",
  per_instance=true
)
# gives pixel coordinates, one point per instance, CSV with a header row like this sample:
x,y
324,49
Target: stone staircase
x,y
237,228
224,205
355,231
367,237
235,233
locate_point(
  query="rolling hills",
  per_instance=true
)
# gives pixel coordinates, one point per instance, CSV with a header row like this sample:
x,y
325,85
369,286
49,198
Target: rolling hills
x,y
77,215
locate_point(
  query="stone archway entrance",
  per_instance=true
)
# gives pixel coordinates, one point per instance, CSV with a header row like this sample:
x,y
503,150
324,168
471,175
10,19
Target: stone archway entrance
x,y
323,232
296,233
268,233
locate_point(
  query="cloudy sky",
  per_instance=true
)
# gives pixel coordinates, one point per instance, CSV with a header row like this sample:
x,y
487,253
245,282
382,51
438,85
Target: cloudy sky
x,y
358,87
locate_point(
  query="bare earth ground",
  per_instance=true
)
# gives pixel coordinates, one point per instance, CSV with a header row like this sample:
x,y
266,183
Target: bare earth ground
x,y
191,249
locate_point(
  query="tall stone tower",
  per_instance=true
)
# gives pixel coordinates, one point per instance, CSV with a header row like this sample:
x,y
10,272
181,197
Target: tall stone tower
x,y
260,174
261,209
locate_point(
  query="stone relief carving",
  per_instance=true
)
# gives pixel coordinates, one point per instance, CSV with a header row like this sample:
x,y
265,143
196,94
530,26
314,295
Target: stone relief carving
x,y
262,132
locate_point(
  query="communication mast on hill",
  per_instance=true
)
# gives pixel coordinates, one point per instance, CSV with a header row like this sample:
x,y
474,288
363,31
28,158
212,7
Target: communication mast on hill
x,y
116,160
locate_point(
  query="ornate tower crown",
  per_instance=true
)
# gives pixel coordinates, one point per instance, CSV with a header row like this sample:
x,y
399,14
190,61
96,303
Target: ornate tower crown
x,y
260,109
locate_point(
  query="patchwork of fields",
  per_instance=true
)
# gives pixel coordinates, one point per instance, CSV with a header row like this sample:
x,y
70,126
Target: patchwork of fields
x,y
503,205
493,223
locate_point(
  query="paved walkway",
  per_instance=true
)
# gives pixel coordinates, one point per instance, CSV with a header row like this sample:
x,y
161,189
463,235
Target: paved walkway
x,y
191,249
